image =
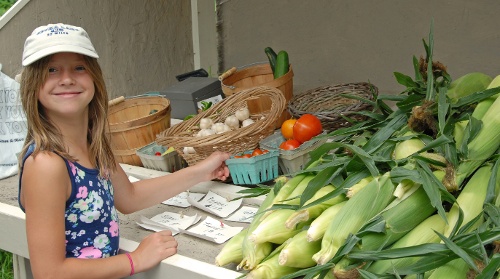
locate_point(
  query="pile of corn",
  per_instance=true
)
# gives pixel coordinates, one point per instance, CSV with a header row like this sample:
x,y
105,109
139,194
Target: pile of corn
x,y
411,192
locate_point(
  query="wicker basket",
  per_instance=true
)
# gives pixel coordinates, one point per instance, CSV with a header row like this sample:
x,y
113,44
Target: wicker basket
x,y
329,103
134,123
183,134
259,74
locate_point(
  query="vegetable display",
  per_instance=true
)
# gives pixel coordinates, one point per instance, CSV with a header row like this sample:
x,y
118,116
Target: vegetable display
x,y
412,191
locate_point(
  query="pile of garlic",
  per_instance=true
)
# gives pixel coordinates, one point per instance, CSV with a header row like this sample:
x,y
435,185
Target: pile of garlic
x,y
240,118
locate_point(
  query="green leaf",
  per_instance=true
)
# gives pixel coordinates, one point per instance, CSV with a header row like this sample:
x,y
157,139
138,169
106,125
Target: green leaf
x,y
411,101
321,179
404,80
475,97
458,251
443,108
399,119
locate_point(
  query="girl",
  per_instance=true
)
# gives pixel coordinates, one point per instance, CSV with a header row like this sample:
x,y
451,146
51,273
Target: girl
x,y
70,186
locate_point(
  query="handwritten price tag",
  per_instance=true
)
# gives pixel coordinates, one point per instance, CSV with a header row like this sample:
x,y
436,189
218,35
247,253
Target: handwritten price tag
x,y
213,230
216,204
245,215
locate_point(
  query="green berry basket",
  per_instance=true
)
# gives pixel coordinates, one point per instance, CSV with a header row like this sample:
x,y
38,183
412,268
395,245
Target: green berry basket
x,y
254,170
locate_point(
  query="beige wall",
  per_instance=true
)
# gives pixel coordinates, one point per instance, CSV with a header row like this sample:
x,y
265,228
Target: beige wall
x,y
332,42
142,45
145,44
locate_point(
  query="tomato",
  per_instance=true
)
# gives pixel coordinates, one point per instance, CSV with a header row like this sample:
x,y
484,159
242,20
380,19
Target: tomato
x,y
287,128
257,152
290,144
248,155
307,127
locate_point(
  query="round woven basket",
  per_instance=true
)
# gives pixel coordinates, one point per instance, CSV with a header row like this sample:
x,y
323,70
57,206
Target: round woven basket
x,y
134,123
245,138
330,103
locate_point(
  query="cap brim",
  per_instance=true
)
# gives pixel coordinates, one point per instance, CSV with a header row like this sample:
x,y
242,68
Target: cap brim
x,y
57,49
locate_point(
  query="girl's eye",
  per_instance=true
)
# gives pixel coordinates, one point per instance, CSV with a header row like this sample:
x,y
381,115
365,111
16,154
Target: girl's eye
x,y
52,70
80,68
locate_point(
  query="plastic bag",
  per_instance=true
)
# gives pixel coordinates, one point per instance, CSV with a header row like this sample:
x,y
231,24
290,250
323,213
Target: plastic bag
x,y
13,126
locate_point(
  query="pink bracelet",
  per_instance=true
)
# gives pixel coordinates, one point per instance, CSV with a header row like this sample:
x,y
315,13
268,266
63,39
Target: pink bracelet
x,y
132,271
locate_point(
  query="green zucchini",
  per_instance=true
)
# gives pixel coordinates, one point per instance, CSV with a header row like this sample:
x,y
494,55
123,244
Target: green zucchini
x,y
282,64
271,56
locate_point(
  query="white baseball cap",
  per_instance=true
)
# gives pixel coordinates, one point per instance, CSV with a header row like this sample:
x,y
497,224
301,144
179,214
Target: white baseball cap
x,y
53,38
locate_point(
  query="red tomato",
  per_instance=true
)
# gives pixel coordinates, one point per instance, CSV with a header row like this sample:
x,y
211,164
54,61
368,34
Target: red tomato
x,y
246,155
287,128
306,127
290,144
257,152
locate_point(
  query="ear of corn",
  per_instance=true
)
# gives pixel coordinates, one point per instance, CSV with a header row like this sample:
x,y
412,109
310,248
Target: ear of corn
x,y
320,224
483,145
468,84
298,252
273,229
455,269
406,148
359,209
358,186
399,219
470,199
253,253
422,233
311,212
270,269
232,251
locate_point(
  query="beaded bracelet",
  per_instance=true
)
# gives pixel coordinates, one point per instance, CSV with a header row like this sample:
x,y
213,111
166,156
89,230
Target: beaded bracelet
x,y
132,271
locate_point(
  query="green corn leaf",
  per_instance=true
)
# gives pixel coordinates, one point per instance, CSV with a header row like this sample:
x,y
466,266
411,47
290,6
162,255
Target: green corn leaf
x,y
430,93
396,253
490,193
429,183
399,174
321,179
312,270
394,98
458,251
411,101
443,108
476,97
399,119
404,80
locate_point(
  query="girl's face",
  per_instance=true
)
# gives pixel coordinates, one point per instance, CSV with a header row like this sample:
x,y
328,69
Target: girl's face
x,y
69,88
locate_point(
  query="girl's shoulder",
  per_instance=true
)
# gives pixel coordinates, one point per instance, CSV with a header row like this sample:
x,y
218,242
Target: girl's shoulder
x,y
47,163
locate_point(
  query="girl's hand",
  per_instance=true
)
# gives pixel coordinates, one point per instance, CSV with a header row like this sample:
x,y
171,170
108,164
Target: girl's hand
x,y
153,249
214,166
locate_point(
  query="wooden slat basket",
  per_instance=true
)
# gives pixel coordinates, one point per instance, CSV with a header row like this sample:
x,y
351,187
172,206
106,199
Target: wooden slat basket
x,y
235,141
332,103
134,123
254,75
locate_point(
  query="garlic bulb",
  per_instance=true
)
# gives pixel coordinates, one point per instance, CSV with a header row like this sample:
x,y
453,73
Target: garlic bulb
x,y
220,127
206,123
232,122
205,132
188,150
242,114
247,122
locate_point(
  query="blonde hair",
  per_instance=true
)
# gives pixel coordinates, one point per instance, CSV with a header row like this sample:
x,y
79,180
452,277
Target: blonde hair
x,y
45,135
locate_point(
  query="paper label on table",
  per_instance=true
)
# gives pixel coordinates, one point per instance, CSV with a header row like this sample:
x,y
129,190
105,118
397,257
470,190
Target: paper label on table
x,y
245,215
168,221
213,230
180,200
216,204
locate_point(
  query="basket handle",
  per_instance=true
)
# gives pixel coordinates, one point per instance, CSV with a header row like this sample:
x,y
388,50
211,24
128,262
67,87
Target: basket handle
x,y
227,73
116,101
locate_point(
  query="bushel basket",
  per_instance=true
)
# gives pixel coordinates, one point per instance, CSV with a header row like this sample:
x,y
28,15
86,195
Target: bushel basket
x,y
332,104
235,141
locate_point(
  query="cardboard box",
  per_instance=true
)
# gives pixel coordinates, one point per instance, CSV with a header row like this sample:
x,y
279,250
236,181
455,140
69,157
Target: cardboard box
x,y
186,96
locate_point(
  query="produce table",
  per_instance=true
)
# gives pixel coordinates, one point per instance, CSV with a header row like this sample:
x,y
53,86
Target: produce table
x,y
195,258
